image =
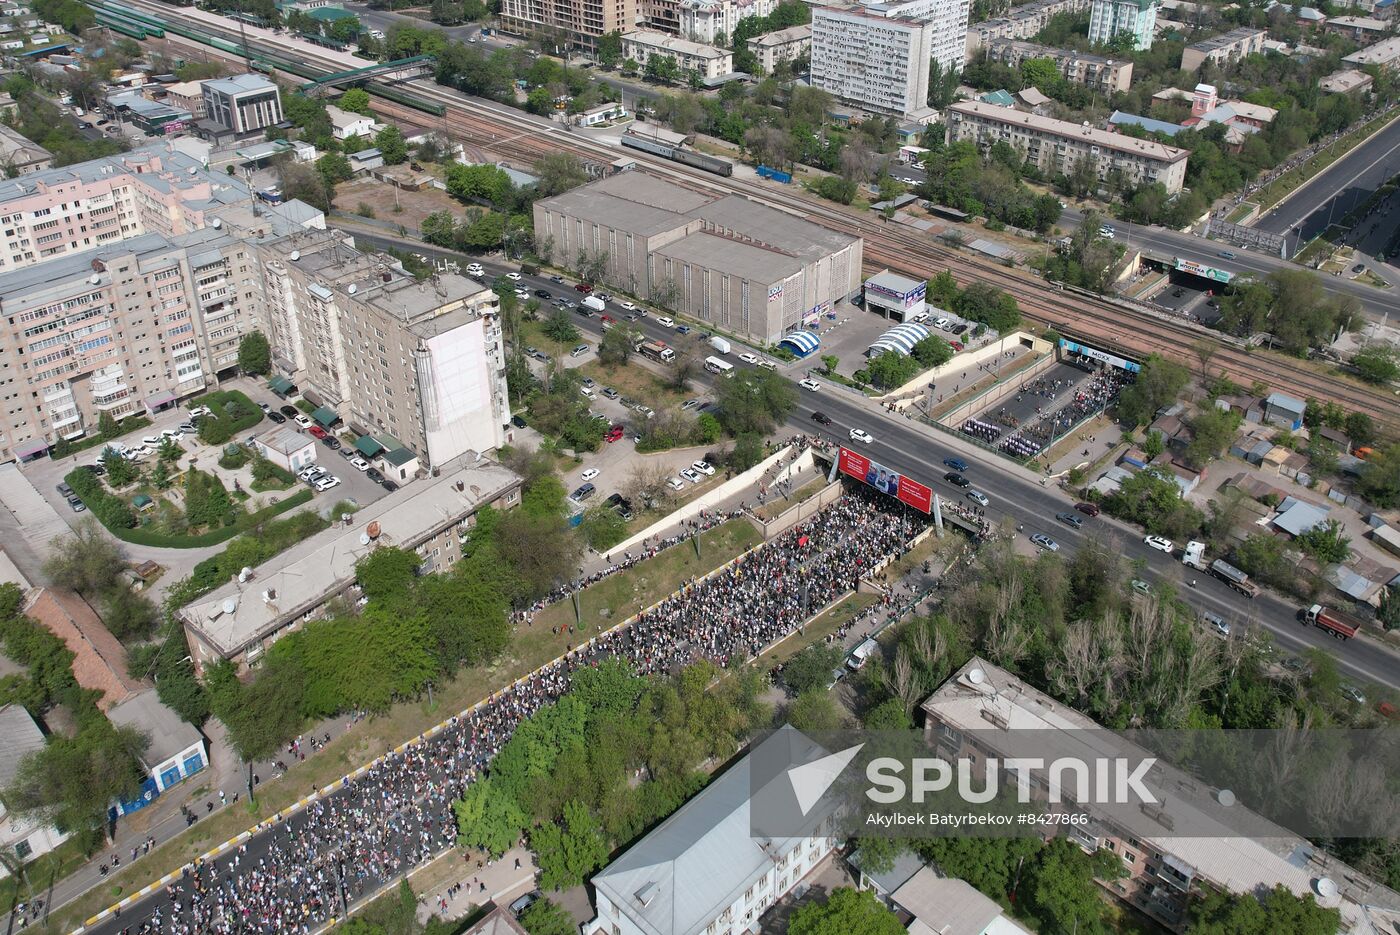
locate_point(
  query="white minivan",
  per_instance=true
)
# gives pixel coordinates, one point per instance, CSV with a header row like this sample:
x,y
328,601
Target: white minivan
x,y
861,653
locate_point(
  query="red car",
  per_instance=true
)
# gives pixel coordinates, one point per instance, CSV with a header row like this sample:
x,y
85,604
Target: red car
x,y
614,434
607,320
584,287
955,345
317,432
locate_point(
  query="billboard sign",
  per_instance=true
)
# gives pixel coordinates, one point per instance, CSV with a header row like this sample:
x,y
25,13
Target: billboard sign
x,y
1205,272
908,299
775,291
1074,347
906,491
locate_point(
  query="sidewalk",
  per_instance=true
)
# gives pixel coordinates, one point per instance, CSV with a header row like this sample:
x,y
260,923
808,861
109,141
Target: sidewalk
x,y
500,881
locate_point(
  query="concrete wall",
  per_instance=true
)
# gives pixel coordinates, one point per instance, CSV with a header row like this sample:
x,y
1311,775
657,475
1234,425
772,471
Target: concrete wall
x,y
961,362
797,512
714,497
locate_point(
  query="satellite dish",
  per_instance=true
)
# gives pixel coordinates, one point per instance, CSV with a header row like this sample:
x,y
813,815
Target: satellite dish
x,y
230,604
1326,887
192,170
216,223
364,538
296,255
1225,797
245,574
353,289
976,676
94,279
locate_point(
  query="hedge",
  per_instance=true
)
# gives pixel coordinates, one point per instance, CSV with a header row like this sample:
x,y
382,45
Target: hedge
x,y
218,428
62,449
107,508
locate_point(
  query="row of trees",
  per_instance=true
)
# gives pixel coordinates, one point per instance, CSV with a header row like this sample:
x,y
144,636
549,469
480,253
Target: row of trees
x,y
565,776
959,176
1289,305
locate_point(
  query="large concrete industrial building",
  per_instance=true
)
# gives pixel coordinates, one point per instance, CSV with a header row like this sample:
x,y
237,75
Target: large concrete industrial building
x,y
743,267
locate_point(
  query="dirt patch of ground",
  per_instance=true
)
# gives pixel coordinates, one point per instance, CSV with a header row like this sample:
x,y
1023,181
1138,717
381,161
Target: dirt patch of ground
x,y
393,205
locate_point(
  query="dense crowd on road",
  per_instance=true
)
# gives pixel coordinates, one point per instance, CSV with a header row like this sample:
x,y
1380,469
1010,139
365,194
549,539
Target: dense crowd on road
x,y
297,874
1088,398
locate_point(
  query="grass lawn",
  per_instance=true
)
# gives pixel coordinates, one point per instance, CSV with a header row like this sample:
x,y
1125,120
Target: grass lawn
x,y
634,383
816,631
42,871
624,594
1242,212
1371,279
775,508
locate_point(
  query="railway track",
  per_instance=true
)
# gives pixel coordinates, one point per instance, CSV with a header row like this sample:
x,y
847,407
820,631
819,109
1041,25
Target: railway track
x,y
521,138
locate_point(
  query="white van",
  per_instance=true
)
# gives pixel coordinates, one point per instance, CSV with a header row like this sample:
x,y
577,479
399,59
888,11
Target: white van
x,y
721,367
666,322
861,653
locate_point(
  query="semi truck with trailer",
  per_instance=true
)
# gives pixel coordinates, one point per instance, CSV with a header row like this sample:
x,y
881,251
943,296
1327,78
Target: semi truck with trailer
x,y
1339,623
1234,578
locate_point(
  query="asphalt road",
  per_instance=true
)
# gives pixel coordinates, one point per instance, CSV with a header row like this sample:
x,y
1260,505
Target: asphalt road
x,y
1346,183
918,451
1169,243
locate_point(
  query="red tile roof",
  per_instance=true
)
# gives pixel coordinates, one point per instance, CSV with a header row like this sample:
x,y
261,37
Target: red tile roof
x,y
99,658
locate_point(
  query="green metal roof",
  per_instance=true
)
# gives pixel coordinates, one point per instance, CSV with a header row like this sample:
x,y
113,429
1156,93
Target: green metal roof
x,y
398,457
329,14
368,446
140,500
325,417
279,384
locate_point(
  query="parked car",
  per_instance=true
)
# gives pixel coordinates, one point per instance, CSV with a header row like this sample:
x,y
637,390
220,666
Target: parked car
x,y
327,482
76,505
584,287
315,431
589,474
704,467
1088,509
609,392
64,491
749,358
1142,587
614,434
676,483
276,417
1070,519
513,277
291,412
977,497
389,485
375,476
810,385
1158,543
1216,623
302,421
691,475
665,322
583,492
1045,542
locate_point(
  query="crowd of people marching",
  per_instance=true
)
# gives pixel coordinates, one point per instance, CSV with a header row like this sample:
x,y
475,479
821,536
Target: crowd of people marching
x,y
1088,398
297,874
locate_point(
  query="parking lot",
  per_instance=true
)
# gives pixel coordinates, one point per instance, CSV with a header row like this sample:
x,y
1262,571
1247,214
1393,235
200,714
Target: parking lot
x,y
46,474
1186,296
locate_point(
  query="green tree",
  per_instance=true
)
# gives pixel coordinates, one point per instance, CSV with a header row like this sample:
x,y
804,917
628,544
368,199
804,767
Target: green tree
x,y
1380,476
1158,384
609,54
488,818
845,912
560,327
1360,428
262,715
989,305
1279,910
558,172
830,362
1326,542
812,667
569,850
932,351
128,614
747,451
87,560
814,710
390,143
545,917
254,353
355,100
1063,893
1212,429
1377,363
1152,499
616,346
754,401
602,528
334,168
386,575
891,370
107,426
1389,611
120,470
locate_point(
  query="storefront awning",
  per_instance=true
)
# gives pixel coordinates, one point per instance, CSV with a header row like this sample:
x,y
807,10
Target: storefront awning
x,y
279,385
159,399
31,447
802,343
368,446
325,417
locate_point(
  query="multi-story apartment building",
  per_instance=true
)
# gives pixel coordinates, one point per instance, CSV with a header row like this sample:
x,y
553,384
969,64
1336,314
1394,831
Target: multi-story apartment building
x,y
783,45
20,155
154,189
1094,71
1385,55
431,518
710,21
244,103
1109,19
121,329
706,60
984,713
1358,28
704,869
947,18
1221,50
1058,145
872,60
187,96
583,21
1021,22
423,362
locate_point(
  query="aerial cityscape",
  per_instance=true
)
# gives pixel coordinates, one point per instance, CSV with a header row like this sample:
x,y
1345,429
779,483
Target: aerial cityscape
x,y
700,467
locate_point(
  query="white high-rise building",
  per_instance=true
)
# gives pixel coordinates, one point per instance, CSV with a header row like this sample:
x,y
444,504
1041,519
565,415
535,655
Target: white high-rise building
x,y
1109,19
872,59
948,19
706,20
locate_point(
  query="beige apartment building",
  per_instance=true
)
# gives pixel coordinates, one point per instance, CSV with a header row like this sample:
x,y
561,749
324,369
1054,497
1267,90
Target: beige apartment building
x,y
1223,49
707,60
154,189
1385,55
1021,22
583,21
1094,71
783,45
423,362
123,329
1058,145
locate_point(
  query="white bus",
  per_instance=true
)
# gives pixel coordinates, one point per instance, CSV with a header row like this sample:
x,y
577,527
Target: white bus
x,y
721,367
